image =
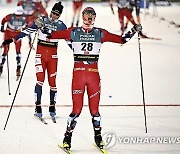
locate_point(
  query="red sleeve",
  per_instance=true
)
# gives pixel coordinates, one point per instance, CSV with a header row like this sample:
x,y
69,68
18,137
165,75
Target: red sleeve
x,y
62,34
109,37
6,19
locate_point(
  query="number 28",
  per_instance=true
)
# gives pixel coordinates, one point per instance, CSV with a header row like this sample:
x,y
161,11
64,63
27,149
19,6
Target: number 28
x,y
87,46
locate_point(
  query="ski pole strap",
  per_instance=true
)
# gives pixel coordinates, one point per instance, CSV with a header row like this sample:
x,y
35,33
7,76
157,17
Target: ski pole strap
x,y
126,37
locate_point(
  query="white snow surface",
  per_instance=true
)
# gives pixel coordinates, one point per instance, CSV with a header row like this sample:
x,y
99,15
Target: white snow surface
x,y
121,97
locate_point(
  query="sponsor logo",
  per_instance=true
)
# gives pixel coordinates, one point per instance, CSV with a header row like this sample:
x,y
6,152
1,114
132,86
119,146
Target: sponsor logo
x,y
39,69
77,91
94,94
85,37
53,74
38,55
54,56
38,61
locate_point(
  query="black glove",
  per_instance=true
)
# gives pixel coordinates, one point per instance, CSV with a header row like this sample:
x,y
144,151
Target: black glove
x,y
49,36
2,28
137,28
8,41
45,30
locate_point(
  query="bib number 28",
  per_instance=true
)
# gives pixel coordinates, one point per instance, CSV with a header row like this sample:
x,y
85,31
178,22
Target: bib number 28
x,y
87,46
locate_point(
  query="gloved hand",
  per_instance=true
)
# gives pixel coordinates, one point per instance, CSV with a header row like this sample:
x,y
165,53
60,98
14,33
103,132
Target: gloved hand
x,y
49,36
46,30
39,22
2,28
137,28
6,42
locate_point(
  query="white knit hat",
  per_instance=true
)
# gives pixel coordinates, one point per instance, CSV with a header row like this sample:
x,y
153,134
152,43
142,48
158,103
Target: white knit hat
x,y
19,10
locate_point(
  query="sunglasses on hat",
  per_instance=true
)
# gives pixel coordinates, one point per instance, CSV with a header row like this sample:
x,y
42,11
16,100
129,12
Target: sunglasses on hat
x,y
55,13
90,12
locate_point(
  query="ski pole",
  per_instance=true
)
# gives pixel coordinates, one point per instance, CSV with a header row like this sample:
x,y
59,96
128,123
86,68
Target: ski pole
x,y
0,49
8,75
142,83
19,82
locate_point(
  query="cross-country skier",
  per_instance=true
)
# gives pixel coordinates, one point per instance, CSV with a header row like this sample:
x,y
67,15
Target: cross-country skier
x,y
123,11
77,6
46,56
86,44
32,9
134,4
14,23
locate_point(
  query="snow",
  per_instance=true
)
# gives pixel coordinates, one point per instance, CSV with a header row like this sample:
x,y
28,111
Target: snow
x,y
121,98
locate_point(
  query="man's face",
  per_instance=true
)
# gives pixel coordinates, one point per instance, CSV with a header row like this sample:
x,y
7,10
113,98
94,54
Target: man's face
x,y
54,16
89,17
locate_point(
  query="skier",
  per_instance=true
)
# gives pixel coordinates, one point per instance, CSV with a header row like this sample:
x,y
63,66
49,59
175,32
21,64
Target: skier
x,y
86,43
77,6
46,55
124,11
134,4
15,22
32,9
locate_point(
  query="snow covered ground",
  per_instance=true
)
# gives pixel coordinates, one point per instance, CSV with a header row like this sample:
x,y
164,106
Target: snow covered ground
x,y
121,98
